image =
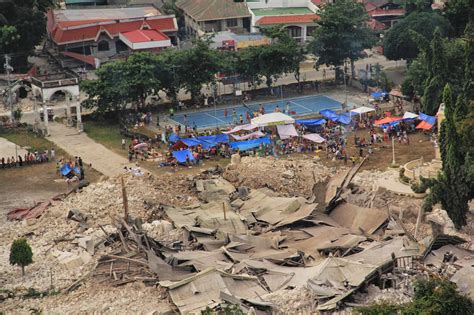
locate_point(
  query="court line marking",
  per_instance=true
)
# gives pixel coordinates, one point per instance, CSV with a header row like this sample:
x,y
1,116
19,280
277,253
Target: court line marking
x,y
214,117
310,110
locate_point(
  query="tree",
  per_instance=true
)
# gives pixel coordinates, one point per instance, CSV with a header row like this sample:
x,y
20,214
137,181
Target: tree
x,y
21,254
342,34
457,12
28,18
109,92
197,66
432,296
399,43
417,6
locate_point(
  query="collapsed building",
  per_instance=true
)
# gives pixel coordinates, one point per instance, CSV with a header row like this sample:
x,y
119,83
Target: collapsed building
x,y
207,243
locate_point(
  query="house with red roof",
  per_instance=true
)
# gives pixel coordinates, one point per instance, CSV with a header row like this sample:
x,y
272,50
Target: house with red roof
x,y
96,35
383,11
297,16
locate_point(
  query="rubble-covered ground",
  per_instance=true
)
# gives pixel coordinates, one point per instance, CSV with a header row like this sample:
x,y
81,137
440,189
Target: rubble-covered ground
x,y
292,176
181,214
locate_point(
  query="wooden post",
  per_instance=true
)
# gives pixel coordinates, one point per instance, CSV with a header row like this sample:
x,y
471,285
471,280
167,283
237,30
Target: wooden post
x,y
418,221
125,199
223,208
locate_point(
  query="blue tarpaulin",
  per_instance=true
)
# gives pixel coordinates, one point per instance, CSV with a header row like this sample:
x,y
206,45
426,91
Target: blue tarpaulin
x,y
220,138
180,156
429,119
329,114
378,94
66,169
343,119
249,144
311,122
174,138
191,142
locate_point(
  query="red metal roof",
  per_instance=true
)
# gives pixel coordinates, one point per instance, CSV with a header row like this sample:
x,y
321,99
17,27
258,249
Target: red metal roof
x,y
76,31
140,36
376,25
382,12
87,59
288,19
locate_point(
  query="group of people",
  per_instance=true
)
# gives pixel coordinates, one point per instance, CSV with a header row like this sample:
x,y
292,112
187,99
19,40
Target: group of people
x,y
28,159
75,169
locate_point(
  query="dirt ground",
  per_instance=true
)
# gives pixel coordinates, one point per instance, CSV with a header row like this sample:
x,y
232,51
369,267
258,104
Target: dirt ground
x,y
22,187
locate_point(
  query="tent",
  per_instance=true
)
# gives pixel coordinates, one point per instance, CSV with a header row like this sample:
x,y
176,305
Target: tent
x,y
409,115
424,125
246,127
429,119
378,94
272,119
180,156
249,144
174,138
191,142
362,110
68,171
314,137
141,146
253,135
287,131
329,114
221,138
386,120
344,119
311,122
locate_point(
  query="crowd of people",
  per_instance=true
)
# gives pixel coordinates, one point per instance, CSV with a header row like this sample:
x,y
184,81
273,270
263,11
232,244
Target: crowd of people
x,y
28,158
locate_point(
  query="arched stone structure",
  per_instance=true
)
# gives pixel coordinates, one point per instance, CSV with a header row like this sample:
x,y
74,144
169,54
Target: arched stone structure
x,y
44,87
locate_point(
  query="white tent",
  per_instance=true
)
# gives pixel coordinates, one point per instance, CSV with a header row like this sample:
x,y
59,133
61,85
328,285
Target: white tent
x,y
409,115
314,137
287,131
246,127
253,135
363,110
272,119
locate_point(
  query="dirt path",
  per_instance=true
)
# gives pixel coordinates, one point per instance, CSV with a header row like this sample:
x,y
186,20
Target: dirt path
x,y
102,159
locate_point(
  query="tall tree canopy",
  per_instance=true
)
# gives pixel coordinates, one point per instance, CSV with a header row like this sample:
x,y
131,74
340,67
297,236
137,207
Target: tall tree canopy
x,y
23,21
399,42
342,34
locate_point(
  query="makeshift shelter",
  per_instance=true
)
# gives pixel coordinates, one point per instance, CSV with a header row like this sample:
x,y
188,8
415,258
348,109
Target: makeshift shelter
x,y
141,146
314,137
287,131
362,110
249,144
311,122
424,125
386,120
69,171
329,114
174,138
254,135
378,94
246,127
429,119
272,119
180,156
409,115
221,138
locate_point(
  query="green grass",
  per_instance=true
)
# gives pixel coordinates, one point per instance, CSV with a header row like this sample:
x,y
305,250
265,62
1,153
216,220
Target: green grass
x,y
281,11
106,133
31,141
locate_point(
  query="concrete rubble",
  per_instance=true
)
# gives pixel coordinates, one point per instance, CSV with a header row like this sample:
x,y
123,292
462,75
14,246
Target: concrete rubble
x,y
257,235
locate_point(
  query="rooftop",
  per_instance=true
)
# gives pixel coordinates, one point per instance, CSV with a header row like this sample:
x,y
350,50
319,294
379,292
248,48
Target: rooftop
x,y
286,19
208,10
281,11
106,14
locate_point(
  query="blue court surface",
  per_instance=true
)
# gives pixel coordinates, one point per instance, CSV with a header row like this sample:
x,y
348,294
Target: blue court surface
x,y
301,106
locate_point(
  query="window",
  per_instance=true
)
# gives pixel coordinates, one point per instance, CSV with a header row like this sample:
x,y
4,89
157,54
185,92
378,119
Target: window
x,y
294,31
103,45
232,22
310,30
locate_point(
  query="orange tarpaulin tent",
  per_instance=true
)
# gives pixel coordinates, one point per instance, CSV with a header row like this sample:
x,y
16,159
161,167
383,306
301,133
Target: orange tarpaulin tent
x,y
386,120
424,125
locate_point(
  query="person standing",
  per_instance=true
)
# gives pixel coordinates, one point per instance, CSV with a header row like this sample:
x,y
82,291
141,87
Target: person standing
x,y
241,119
234,117
287,108
185,119
225,113
53,154
171,111
123,143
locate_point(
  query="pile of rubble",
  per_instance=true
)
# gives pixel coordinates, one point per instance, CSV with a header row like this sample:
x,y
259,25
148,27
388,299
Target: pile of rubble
x,y
235,242
293,176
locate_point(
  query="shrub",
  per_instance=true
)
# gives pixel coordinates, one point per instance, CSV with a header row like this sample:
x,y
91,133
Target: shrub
x,y
21,254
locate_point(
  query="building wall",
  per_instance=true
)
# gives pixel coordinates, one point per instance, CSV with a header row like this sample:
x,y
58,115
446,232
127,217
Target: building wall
x,y
194,28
